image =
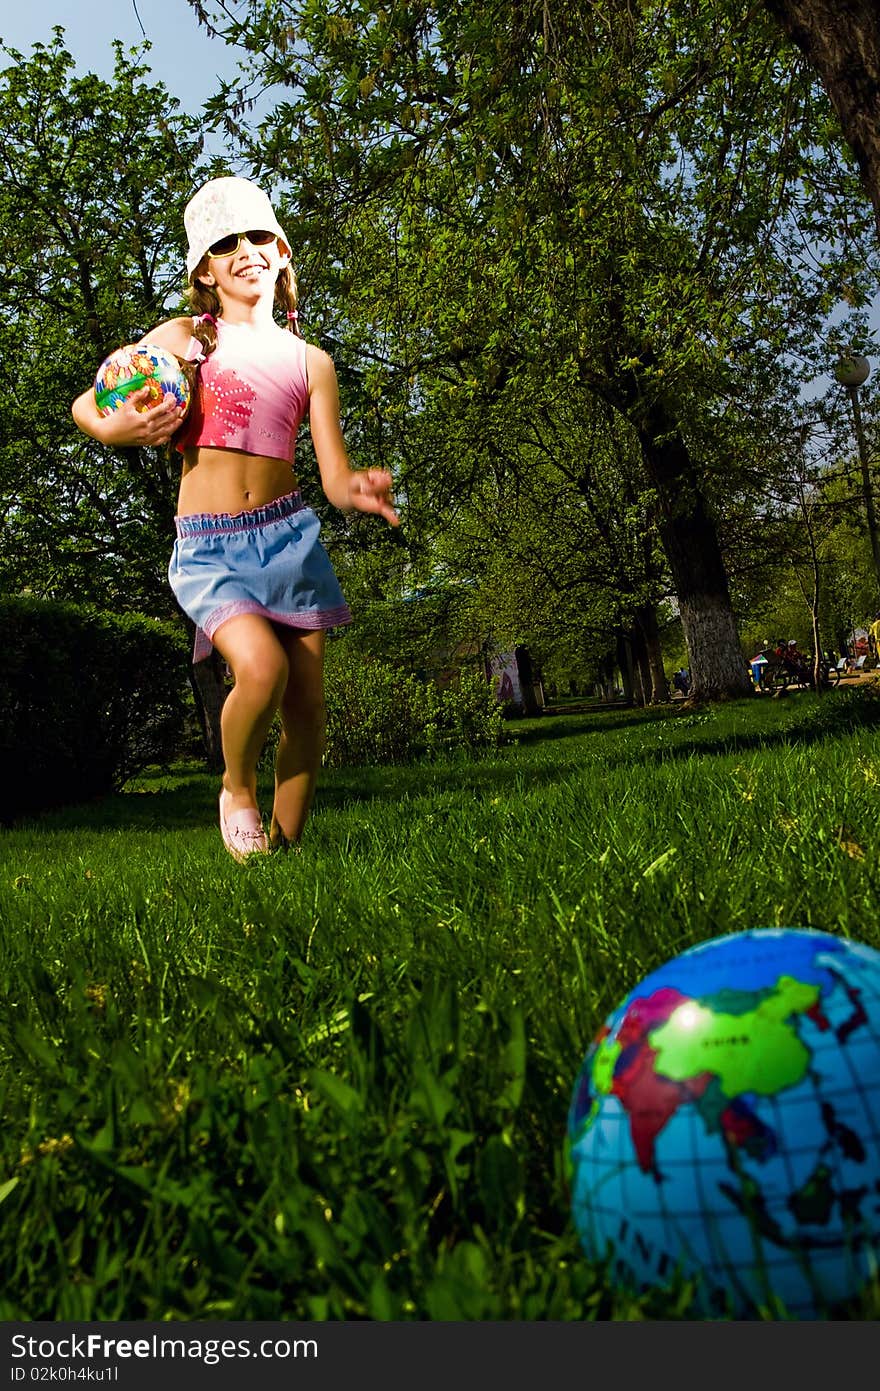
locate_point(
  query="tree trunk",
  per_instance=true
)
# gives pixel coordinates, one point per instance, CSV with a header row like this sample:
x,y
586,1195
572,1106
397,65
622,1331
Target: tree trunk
x,y
641,666
625,662
841,41
208,683
646,622
867,481
690,540
605,679
526,670
717,667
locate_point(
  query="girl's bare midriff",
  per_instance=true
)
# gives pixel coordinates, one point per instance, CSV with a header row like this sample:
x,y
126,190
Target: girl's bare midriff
x,y
225,480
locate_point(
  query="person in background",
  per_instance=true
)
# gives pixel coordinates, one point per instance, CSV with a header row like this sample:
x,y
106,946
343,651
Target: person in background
x,y
758,667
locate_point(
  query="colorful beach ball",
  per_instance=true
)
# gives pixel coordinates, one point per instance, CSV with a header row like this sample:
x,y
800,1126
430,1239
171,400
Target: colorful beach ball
x,y
137,365
725,1127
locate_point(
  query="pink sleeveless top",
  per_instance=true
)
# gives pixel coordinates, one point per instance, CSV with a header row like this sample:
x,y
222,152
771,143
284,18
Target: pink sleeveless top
x,y
252,394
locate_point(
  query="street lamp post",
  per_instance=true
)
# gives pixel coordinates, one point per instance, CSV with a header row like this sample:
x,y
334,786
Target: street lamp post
x,y
852,372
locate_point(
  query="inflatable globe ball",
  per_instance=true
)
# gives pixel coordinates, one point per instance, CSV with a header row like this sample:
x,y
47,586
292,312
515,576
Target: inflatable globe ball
x,y
725,1127
135,366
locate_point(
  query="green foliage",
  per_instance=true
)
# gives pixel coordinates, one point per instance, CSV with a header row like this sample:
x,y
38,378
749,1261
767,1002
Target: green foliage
x,y
94,177
525,216
416,634
465,715
87,699
811,545
378,713
367,710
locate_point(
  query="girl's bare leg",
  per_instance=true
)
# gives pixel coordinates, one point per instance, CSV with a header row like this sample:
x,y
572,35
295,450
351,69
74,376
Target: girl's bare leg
x,y
260,667
301,744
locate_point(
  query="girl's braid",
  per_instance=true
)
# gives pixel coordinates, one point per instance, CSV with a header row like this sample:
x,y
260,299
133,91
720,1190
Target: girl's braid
x,y
286,298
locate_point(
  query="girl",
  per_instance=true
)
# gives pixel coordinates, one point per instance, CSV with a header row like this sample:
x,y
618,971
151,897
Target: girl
x,y
248,567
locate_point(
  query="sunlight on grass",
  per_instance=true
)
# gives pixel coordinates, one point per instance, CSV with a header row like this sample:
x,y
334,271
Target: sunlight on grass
x,y
335,1084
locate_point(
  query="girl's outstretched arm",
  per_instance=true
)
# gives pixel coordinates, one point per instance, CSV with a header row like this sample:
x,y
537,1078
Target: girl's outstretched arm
x,y
365,490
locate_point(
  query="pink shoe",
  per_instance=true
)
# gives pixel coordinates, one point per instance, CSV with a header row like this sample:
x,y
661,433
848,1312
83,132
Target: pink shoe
x,y
242,832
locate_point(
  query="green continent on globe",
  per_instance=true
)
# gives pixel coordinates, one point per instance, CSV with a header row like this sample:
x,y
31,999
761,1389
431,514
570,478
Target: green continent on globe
x,y
604,1063
755,1050
671,1050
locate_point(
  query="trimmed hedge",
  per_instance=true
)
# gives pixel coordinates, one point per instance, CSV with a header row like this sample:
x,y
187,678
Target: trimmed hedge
x,y
87,699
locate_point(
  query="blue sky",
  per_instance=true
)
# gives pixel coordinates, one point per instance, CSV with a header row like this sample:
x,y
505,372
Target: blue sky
x,y
182,55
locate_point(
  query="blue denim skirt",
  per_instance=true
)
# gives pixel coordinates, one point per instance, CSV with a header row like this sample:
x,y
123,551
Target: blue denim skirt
x,y
267,561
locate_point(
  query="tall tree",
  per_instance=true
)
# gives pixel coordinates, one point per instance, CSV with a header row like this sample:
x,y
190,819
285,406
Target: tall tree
x,y
94,175
841,40
94,178
613,190
555,532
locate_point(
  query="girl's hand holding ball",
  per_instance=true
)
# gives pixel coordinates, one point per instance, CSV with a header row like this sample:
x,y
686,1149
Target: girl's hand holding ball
x,y
141,395
131,426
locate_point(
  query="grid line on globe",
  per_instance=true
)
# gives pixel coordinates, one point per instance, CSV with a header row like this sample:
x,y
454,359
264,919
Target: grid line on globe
x,y
726,1125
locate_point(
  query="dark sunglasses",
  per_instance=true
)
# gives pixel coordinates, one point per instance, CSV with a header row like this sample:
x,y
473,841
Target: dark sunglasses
x,y
227,246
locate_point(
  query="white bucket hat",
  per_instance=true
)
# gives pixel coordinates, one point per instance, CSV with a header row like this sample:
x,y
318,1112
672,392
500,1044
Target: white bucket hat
x,y
222,206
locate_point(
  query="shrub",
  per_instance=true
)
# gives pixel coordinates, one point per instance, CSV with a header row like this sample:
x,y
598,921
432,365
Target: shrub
x,y
377,713
368,711
87,699
461,716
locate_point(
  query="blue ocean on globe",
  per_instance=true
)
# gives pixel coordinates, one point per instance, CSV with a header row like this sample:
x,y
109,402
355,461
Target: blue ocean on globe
x,y
725,1125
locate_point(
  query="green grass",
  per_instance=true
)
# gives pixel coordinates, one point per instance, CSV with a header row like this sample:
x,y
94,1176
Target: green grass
x,y
335,1084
